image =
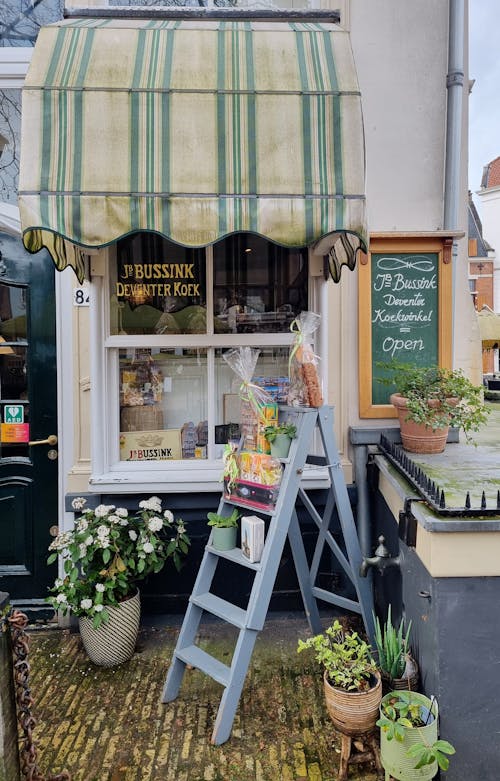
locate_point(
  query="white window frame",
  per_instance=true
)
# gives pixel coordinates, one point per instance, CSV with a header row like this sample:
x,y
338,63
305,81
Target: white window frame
x,y
108,472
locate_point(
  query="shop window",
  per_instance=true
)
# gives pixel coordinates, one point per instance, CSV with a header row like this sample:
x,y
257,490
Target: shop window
x,y
173,313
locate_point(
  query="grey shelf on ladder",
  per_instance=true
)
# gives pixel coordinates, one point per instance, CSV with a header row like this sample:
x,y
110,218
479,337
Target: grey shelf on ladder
x,y
282,522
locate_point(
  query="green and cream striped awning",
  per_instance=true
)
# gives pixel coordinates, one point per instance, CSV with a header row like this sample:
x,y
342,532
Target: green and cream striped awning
x,y
194,130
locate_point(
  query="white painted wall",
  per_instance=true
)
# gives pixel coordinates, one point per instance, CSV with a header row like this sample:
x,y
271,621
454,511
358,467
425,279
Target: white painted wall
x,y
489,208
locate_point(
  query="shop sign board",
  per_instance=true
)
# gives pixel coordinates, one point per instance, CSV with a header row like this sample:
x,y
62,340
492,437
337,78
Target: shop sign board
x,y
150,445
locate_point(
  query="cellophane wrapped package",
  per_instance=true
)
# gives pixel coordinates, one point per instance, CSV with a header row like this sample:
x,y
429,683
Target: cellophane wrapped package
x,y
305,387
258,409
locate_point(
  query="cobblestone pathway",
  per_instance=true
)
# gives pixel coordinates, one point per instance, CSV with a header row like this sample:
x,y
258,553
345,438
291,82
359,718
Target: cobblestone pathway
x,y
109,725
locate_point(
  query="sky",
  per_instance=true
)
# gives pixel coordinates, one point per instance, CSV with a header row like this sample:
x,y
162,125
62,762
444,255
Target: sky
x,y
484,101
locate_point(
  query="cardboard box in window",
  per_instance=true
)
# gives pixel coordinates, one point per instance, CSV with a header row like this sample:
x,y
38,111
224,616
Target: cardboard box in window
x,y
252,537
150,445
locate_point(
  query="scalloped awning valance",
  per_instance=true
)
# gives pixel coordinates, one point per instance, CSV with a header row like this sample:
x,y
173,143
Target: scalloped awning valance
x,y
194,130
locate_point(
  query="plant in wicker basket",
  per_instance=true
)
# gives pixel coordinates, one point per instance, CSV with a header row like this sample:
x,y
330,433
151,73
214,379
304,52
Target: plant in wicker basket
x,y
352,682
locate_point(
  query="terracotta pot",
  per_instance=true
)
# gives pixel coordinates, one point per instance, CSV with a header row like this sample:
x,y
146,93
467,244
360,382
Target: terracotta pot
x,y
417,437
353,712
114,642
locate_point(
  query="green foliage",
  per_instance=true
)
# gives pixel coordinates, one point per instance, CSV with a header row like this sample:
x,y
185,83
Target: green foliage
x,y
461,403
271,432
345,657
223,521
109,551
392,646
401,712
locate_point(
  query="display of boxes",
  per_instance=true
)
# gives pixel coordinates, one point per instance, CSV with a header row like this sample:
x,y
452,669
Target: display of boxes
x,y
252,537
258,482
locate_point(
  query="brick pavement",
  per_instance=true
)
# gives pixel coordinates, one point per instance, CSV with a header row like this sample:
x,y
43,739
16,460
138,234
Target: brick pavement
x,y
109,725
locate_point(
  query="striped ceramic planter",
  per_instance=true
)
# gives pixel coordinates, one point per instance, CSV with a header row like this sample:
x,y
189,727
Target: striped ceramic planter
x,y
353,712
114,642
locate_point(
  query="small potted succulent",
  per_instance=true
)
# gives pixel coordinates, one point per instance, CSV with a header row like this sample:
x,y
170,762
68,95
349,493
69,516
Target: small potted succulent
x,y
430,399
409,745
398,668
280,438
352,683
224,530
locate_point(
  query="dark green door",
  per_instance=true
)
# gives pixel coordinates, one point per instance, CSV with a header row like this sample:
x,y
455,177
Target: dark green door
x,y
28,414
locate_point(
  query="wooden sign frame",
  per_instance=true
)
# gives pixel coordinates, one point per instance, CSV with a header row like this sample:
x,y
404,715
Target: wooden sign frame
x,y
400,244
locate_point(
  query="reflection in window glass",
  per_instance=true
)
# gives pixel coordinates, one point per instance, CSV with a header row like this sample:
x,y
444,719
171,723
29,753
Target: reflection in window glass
x,y
258,286
12,313
157,287
163,404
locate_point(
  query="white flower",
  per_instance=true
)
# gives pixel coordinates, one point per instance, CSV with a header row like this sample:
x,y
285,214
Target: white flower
x,y
86,604
103,531
132,534
100,587
169,516
61,598
104,542
153,504
114,519
89,540
122,512
78,503
98,608
58,582
123,522
102,510
155,524
148,548
83,549
82,525
181,528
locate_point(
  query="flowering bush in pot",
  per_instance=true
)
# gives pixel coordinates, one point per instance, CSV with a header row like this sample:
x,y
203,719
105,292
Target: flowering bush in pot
x,y
108,552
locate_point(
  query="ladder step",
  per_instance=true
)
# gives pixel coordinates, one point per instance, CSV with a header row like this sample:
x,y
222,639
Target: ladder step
x,y
221,608
335,599
235,555
208,664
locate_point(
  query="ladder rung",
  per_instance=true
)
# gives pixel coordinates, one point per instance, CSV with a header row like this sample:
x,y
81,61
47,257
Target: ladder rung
x,y
208,664
335,599
236,556
221,608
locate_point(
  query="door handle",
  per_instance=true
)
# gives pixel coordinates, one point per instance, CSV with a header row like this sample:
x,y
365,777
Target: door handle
x,y
51,440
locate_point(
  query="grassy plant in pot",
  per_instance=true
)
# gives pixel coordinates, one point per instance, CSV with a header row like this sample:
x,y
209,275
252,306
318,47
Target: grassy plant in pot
x,y
352,683
398,668
430,399
280,438
409,745
224,530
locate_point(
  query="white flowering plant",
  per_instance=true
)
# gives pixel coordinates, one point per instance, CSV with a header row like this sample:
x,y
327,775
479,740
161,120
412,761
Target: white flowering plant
x,y
109,551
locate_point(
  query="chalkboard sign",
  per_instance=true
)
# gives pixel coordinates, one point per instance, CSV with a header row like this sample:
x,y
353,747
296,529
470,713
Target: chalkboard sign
x,y
404,313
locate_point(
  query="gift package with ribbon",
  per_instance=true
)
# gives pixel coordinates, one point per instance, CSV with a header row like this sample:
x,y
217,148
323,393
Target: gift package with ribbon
x,y
305,386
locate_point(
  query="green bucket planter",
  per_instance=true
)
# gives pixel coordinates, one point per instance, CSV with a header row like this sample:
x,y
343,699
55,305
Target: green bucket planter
x,y
224,537
393,752
280,446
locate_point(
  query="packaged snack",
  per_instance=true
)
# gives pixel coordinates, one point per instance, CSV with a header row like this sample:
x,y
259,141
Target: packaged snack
x,y
257,480
254,399
305,389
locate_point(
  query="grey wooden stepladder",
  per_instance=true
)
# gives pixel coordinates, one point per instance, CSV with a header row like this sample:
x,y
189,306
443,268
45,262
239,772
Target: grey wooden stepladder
x,y
282,522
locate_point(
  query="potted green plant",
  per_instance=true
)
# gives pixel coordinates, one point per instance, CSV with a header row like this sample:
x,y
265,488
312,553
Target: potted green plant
x,y
280,438
106,554
352,683
409,745
428,400
397,667
224,529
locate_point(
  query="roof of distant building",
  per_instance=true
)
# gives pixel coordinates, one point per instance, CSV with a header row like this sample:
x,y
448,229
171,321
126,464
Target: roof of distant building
x,y
475,229
491,174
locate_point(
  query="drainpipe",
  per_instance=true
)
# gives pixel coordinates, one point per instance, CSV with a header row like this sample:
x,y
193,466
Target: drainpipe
x,y
455,87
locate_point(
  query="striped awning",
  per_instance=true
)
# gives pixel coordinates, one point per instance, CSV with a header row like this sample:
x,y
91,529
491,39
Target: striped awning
x,y
194,130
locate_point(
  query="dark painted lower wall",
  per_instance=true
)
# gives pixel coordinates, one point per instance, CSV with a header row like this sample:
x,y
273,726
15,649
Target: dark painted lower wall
x,y
169,590
9,756
456,640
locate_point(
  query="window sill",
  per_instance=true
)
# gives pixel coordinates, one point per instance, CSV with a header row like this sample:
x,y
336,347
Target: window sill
x,y
183,478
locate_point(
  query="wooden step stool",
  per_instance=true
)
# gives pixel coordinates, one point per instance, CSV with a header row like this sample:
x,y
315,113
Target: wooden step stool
x,y
357,749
